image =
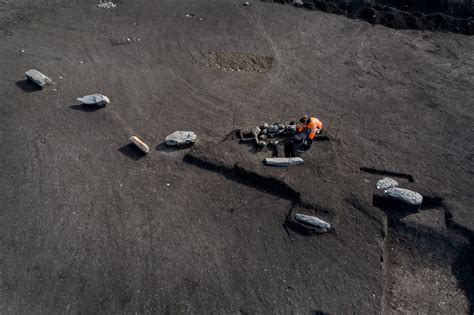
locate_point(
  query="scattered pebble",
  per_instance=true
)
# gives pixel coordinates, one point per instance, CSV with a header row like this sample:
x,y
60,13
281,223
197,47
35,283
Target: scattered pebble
x,y
22,51
106,4
192,16
246,3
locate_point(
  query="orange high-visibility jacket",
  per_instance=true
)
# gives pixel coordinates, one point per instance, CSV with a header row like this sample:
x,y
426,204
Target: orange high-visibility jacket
x,y
311,127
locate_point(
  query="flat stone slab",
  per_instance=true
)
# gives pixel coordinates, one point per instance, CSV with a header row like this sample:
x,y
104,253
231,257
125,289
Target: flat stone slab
x,y
140,144
406,196
38,78
313,221
284,162
94,99
181,138
386,183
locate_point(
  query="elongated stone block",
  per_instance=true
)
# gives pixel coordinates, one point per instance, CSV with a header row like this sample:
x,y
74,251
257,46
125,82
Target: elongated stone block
x,y
284,162
313,221
405,196
140,144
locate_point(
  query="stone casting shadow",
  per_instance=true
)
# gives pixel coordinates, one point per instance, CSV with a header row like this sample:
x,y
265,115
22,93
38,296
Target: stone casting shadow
x,y
291,224
27,86
132,152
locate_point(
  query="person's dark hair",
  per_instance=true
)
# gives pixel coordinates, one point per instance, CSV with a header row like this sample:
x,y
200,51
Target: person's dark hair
x,y
304,119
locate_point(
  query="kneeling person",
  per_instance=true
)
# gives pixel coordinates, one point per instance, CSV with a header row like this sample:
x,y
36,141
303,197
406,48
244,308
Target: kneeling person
x,y
310,127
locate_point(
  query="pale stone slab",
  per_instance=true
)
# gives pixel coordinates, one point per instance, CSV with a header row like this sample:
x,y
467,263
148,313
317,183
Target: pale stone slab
x,y
406,196
284,162
313,221
38,78
140,144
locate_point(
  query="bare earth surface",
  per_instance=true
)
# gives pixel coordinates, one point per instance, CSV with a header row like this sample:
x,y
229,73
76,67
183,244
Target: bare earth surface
x,y
88,225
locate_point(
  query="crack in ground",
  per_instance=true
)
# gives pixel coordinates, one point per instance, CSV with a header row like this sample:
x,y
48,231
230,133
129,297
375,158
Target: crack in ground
x,y
371,170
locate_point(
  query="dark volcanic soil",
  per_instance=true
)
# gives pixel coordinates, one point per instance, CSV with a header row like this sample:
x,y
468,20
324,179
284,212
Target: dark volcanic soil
x,y
440,15
89,225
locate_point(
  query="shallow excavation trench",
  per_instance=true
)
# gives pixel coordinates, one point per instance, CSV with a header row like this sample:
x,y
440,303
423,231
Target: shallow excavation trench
x,y
426,255
426,264
266,184
438,15
418,260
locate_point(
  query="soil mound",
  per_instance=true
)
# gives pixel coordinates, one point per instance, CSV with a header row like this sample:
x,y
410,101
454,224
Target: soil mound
x,y
442,15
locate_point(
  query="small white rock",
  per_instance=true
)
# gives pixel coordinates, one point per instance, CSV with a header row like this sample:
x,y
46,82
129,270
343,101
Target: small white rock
x,y
94,99
386,183
106,5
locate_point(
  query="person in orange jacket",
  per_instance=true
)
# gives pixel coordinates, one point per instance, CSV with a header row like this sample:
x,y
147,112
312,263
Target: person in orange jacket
x,y
307,130
310,125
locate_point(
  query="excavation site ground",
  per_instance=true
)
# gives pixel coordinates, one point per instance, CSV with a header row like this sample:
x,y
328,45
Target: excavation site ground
x,y
89,224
